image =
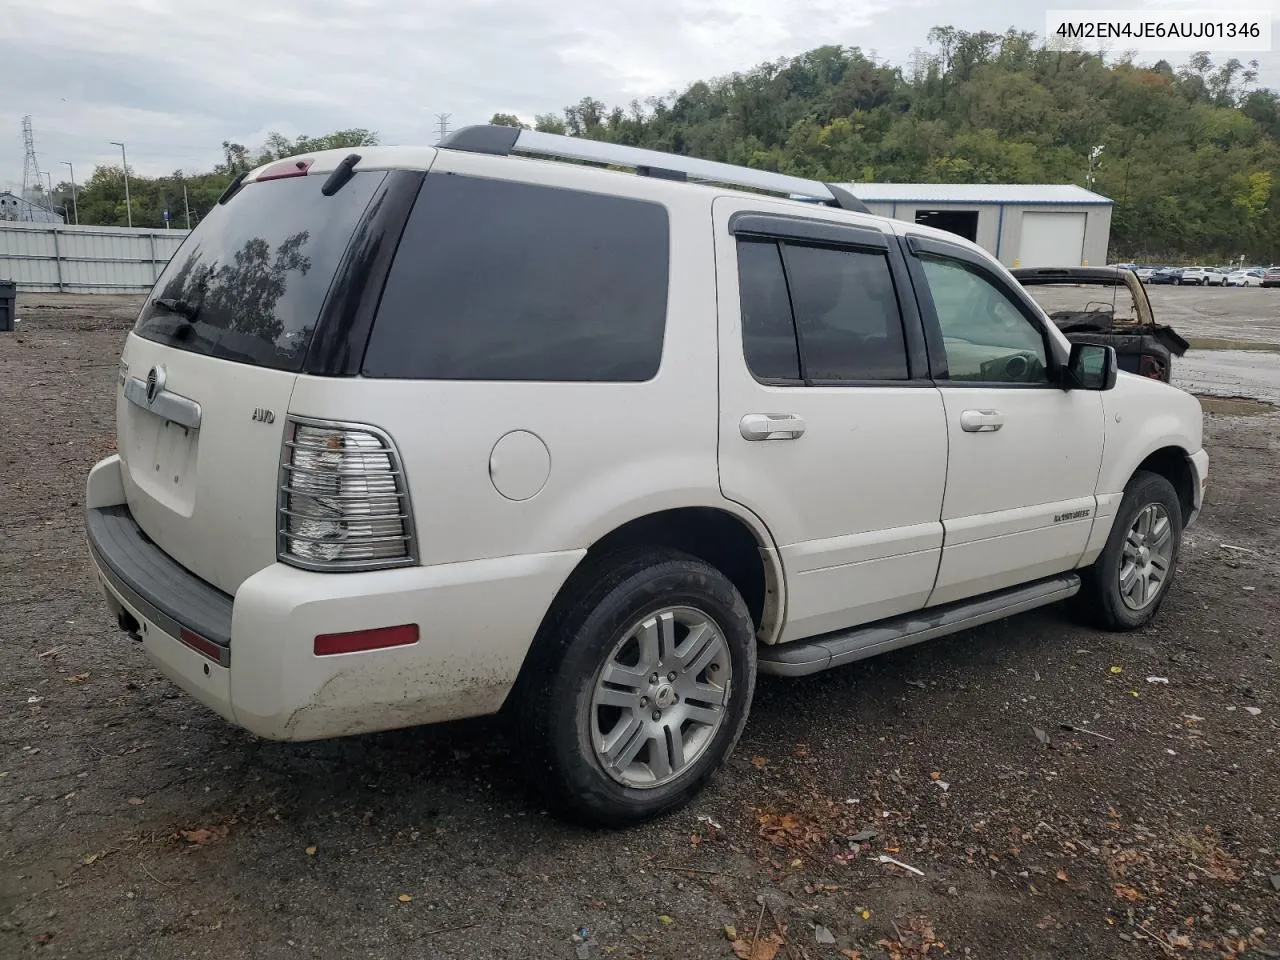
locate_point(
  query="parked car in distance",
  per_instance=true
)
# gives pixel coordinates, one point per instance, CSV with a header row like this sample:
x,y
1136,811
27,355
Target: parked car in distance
x,y
724,433
1271,278
1145,273
1109,306
1202,276
1165,275
1244,278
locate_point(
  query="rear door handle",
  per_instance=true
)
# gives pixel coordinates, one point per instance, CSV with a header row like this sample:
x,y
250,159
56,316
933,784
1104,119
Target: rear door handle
x,y
771,426
981,421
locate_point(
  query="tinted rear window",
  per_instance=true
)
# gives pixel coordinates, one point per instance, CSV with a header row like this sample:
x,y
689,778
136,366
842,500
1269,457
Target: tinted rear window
x,y
495,280
255,272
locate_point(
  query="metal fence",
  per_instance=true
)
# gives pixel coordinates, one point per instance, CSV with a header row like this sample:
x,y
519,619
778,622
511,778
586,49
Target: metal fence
x,y
45,258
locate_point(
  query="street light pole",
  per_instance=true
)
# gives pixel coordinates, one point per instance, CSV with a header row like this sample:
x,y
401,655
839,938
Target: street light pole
x,y
75,204
124,162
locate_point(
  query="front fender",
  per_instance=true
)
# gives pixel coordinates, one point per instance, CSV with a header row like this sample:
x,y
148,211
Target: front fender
x,y
1143,416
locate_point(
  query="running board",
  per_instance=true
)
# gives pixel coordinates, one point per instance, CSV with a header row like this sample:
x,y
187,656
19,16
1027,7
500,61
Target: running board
x,y
804,657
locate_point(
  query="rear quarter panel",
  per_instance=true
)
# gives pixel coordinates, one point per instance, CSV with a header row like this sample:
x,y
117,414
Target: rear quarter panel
x,y
617,451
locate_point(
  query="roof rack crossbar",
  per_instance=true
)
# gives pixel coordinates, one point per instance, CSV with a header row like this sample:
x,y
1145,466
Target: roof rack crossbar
x,y
503,141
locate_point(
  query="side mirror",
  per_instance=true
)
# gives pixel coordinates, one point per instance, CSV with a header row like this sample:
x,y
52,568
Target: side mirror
x,y
1091,367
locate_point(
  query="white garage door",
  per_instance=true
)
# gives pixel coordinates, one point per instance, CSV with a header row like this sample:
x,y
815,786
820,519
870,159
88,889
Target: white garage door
x,y
1052,239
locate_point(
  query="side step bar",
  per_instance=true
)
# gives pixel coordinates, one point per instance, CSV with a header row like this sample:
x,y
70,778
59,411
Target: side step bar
x,y
804,657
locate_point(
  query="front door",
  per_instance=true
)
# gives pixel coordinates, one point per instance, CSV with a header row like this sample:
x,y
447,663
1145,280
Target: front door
x,y
830,429
1025,453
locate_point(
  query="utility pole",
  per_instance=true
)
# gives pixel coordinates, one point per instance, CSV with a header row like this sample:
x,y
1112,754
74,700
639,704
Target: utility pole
x,y
442,124
49,196
75,204
124,162
186,205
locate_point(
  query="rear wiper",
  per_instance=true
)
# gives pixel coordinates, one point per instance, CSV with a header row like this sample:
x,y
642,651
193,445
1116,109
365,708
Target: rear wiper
x,y
188,311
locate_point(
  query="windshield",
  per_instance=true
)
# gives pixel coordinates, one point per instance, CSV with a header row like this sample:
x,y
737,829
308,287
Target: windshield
x,y
1077,305
248,283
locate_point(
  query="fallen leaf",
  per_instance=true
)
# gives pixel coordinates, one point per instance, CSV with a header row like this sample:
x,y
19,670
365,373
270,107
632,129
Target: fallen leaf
x,y
205,835
311,851
759,762
935,775
1062,875
1126,893
405,898
78,678
89,859
730,931
866,914
1117,669
766,948
1179,940
135,801
662,917
851,954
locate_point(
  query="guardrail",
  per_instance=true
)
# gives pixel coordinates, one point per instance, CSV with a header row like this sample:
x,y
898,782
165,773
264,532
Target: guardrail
x,y
55,257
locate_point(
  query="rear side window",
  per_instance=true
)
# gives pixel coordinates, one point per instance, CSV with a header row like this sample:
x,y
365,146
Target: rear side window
x,y
768,332
496,280
249,282
846,313
819,314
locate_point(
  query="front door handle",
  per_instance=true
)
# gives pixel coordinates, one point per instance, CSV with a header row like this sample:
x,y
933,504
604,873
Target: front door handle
x,y
981,421
771,426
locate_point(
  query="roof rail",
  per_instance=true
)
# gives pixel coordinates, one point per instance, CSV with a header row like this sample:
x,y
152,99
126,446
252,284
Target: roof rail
x,y
503,141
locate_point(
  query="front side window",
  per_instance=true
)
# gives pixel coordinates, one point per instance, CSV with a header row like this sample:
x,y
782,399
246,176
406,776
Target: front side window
x,y
987,338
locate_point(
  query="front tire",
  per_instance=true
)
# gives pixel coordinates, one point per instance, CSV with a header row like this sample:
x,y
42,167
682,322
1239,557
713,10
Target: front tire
x,y
639,688
1128,582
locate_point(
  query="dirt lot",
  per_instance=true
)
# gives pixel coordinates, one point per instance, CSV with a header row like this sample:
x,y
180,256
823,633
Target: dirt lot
x,y
135,824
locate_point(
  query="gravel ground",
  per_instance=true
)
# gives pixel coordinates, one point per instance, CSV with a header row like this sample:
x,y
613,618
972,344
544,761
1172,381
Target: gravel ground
x,y
133,823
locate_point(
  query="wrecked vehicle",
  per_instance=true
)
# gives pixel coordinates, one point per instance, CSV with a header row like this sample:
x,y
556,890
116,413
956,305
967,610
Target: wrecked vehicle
x,y
1106,306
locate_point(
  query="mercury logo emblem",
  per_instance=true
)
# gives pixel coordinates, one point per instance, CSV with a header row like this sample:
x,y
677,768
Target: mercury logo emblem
x,y
155,383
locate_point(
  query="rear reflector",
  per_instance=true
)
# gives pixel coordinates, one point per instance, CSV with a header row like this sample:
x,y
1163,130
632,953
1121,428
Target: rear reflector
x,y
290,168
201,645
379,639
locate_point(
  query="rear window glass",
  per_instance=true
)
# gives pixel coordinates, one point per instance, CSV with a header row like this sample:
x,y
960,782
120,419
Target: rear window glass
x,y
249,282
495,280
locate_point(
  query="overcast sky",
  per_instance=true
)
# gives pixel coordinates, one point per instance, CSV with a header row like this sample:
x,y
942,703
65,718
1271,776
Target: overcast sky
x,y
174,78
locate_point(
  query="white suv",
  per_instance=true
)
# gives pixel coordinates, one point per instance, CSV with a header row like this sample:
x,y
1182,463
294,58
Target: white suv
x,y
412,435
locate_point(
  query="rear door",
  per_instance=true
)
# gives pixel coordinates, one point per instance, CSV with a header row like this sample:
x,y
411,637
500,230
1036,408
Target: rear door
x,y
207,373
1024,453
830,429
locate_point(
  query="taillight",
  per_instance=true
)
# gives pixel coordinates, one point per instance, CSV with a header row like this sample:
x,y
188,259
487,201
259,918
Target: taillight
x,y
1149,366
344,504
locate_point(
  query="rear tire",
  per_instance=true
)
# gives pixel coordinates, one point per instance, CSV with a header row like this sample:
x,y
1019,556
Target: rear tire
x,y
638,687
1126,585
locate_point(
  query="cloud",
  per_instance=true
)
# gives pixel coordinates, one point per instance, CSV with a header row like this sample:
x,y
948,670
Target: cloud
x,y
173,80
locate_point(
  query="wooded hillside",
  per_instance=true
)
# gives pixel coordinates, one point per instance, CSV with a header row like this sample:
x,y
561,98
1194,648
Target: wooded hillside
x,y
1191,155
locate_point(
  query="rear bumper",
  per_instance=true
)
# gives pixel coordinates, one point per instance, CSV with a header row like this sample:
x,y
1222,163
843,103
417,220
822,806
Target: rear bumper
x,y
257,665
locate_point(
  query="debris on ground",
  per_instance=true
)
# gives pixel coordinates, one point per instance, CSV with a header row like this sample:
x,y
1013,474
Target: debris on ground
x,y
204,835
885,858
823,935
917,940
1041,736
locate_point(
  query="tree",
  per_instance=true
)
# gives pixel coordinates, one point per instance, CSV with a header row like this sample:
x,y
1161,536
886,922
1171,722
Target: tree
x,y
507,120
